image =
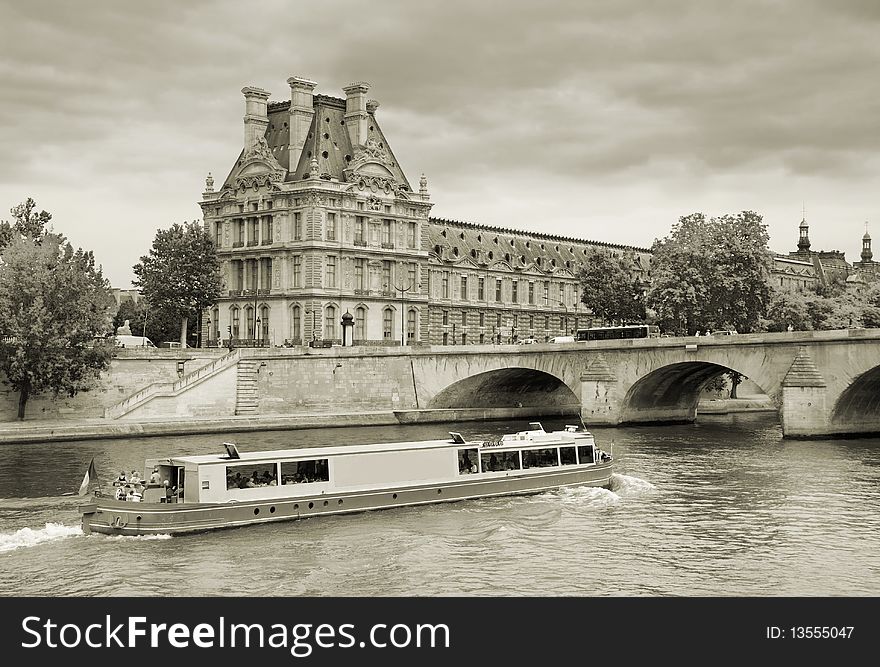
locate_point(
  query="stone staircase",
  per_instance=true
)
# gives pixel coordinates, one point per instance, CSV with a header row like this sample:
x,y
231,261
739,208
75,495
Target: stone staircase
x,y
246,387
165,389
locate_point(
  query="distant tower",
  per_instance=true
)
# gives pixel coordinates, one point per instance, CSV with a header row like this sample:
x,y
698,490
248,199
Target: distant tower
x,y
866,246
804,239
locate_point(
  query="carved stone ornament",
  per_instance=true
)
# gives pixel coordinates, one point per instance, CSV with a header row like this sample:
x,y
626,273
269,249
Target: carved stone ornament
x,y
313,199
259,166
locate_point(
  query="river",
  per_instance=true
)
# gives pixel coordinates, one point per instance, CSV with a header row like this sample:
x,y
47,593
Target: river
x,y
723,507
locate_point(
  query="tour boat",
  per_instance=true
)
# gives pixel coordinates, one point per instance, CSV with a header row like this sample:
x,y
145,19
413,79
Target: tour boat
x,y
206,492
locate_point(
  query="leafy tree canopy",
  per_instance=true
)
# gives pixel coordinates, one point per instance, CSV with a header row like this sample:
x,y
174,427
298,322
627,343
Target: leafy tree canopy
x,y
26,222
181,274
712,273
611,286
55,310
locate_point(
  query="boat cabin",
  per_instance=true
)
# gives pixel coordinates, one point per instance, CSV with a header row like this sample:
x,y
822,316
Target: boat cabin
x,y
244,476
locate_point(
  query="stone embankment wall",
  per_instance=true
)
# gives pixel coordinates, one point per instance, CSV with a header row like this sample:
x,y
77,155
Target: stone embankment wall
x,y
130,371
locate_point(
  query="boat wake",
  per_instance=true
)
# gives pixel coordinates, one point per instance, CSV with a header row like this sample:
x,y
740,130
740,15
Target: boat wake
x,y
161,536
29,537
630,486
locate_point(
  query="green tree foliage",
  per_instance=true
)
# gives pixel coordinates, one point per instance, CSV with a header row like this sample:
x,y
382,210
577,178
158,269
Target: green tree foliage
x,y
181,275
55,310
611,286
712,273
789,309
153,323
26,222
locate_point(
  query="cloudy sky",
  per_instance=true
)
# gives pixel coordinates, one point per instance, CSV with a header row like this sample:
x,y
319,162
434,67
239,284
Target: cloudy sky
x,y
599,119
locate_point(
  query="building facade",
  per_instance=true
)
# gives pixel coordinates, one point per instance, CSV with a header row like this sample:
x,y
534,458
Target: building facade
x,y
317,219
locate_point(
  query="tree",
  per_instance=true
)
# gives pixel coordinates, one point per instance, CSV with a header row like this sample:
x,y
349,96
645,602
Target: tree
x,y
735,381
712,273
145,320
789,309
55,308
611,287
26,223
181,275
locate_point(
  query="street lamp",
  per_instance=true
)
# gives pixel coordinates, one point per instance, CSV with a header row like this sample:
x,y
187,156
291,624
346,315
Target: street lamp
x,y
564,326
314,326
256,329
208,325
402,290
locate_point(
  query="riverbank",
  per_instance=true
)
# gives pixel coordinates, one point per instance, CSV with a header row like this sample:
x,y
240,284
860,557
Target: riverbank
x,y
45,431
724,406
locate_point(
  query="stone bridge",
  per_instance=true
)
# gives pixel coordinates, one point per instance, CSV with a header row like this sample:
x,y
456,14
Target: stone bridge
x,y
823,382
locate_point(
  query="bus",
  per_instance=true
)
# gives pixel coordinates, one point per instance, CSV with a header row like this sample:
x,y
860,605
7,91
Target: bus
x,y
614,333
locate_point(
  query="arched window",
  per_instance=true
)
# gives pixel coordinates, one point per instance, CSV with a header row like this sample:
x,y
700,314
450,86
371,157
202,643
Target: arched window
x,y
411,324
296,324
330,322
249,318
264,323
360,323
387,323
234,317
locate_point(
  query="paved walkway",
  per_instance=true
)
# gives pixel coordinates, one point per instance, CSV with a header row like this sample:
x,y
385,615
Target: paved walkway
x,y
88,429
42,431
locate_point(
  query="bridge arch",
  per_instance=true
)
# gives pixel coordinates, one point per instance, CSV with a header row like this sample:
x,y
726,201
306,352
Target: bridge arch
x,y
508,387
859,403
670,393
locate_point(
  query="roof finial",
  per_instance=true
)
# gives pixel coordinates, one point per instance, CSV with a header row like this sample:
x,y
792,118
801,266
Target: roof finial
x,y
209,187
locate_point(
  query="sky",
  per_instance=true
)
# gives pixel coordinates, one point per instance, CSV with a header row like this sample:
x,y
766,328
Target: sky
x,y
596,119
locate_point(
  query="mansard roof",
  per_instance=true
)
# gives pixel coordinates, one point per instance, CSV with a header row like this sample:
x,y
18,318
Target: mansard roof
x,y
327,140
522,250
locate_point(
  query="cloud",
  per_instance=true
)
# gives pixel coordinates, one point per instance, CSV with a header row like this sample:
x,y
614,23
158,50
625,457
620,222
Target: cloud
x,y
629,111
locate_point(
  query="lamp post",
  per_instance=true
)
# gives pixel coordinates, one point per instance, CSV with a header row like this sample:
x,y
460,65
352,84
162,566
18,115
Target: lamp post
x,y
402,290
208,325
256,329
564,326
314,327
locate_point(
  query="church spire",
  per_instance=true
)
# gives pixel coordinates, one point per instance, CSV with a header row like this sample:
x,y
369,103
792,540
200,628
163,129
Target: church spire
x,y
867,255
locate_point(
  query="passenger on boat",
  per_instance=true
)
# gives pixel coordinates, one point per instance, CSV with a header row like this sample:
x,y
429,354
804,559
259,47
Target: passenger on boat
x,y
467,466
121,480
493,463
134,477
154,476
134,496
120,493
267,480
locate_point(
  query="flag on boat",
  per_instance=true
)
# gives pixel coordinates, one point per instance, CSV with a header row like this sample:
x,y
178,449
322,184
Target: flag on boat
x,y
91,473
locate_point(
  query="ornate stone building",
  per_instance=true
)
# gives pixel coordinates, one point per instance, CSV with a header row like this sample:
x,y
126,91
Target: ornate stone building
x,y
804,269
317,219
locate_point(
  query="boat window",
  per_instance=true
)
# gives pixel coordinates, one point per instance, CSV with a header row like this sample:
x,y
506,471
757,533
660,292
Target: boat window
x,y
540,458
250,475
304,472
566,456
585,454
467,461
495,461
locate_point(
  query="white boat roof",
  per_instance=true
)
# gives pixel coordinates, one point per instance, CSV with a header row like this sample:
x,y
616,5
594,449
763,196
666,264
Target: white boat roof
x,y
511,441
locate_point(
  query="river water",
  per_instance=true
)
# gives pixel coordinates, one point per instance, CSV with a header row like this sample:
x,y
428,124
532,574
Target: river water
x,y
723,507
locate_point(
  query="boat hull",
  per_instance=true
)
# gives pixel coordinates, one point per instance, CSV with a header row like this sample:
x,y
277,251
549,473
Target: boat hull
x,y
113,517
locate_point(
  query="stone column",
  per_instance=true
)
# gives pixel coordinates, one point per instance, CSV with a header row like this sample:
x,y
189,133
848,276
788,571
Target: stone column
x,y
599,402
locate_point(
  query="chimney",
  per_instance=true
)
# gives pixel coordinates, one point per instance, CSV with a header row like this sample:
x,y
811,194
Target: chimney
x,y
356,112
256,117
302,109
